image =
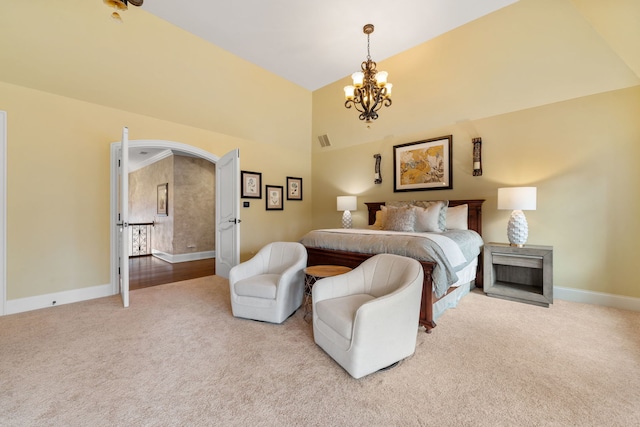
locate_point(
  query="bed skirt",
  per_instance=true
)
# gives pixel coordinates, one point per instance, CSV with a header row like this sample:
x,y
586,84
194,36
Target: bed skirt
x,y
466,279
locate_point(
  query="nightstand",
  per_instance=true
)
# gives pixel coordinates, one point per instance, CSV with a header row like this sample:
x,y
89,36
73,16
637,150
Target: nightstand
x,y
519,274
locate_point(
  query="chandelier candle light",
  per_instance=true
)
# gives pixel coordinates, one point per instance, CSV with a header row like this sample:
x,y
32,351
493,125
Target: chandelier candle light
x,y
517,199
370,90
347,204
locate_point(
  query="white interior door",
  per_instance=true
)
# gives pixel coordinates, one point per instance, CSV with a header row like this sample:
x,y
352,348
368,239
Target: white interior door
x,y
123,217
227,212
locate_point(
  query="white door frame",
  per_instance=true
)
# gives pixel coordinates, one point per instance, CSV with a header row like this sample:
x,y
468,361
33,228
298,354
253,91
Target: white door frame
x,y
227,213
151,143
3,212
123,217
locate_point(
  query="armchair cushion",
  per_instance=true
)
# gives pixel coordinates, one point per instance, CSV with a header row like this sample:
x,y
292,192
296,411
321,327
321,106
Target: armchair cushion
x,y
339,313
259,286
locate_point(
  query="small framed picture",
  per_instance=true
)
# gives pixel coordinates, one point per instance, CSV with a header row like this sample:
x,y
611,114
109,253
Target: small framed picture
x,y
294,188
274,197
251,185
163,199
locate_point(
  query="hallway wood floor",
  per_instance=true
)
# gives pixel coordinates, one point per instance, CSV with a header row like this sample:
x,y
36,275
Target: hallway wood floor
x,y
145,271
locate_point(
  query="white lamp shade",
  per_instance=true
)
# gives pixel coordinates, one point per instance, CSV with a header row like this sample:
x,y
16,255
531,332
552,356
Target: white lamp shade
x,y
381,78
347,203
358,78
349,92
517,198
388,86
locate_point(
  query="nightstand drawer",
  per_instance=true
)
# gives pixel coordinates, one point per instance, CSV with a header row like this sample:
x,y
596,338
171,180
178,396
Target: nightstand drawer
x,y
517,260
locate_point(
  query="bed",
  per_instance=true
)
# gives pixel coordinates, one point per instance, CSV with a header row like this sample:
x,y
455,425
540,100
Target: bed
x,y
327,247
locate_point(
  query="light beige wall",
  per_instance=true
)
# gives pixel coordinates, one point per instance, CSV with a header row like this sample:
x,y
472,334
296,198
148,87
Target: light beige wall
x,y
58,173
71,79
531,53
147,66
581,154
552,88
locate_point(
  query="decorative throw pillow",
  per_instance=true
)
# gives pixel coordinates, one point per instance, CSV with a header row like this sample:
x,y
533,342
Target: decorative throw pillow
x,y
400,219
457,217
442,219
381,217
427,219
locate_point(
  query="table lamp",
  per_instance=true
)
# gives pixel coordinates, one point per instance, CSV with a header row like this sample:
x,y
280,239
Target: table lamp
x,y
517,199
347,204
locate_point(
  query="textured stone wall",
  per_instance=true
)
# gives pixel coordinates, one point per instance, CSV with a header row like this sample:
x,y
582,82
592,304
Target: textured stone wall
x,y
194,205
190,223
143,192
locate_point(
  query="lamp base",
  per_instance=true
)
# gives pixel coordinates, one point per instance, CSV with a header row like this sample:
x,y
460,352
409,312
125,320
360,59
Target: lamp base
x,y
346,219
518,229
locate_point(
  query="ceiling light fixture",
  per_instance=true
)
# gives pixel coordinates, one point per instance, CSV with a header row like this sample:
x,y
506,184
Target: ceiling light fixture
x,y
120,5
370,90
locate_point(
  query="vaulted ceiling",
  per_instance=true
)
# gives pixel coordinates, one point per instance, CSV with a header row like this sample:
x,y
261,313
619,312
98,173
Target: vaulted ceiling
x,y
316,43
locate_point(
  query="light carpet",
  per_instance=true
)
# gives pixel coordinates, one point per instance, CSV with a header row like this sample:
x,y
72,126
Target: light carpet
x,y
177,356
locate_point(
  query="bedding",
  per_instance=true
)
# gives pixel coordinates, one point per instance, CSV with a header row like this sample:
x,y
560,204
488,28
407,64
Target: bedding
x,y
447,221
450,250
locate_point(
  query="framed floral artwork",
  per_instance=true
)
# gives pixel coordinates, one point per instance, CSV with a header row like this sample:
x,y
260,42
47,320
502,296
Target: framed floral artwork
x,y
423,165
294,188
251,185
274,197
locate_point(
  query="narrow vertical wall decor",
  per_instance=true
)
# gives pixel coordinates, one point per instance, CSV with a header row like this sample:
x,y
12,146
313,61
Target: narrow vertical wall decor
x,y
477,156
163,199
377,176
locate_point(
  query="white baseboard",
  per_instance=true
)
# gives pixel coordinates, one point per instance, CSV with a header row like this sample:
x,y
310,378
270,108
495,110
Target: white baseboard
x,y
194,256
19,305
37,302
77,295
597,298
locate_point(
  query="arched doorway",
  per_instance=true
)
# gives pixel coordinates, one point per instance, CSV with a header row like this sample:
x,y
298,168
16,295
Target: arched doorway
x,y
227,198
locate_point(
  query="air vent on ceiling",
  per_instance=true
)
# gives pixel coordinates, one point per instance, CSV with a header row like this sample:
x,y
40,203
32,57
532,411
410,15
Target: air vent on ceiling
x,y
324,140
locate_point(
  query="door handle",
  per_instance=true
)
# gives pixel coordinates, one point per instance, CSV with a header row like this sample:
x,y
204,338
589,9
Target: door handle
x,y
235,221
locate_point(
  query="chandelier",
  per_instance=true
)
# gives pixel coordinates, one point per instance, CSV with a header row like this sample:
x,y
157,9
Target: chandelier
x,y
370,90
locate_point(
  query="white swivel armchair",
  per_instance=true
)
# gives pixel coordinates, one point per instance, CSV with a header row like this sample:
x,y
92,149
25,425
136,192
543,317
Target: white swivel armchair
x,y
270,286
367,319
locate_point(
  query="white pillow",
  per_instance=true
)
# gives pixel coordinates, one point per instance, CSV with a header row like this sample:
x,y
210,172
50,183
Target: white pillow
x,y
457,217
442,220
427,219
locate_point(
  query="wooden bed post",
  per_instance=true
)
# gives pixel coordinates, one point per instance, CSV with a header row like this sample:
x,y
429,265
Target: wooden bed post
x,y
426,318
